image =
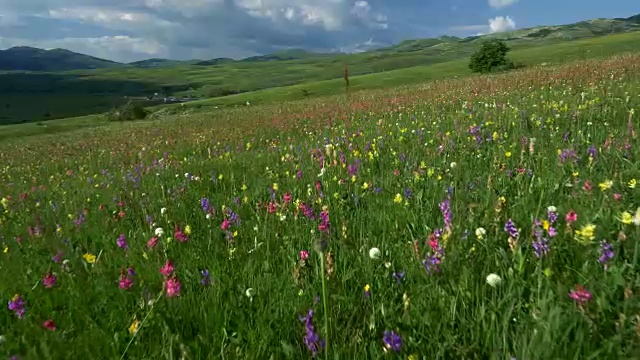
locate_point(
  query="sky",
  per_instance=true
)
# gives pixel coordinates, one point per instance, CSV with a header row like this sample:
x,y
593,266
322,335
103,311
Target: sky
x,y
132,30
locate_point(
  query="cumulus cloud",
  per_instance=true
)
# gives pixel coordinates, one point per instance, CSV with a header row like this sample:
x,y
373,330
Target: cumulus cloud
x,y
501,24
497,4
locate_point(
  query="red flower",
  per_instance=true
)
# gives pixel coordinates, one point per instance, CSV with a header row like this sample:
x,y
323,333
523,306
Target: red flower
x,y
49,325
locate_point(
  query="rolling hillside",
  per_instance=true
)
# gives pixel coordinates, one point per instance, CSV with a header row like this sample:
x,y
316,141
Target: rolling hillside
x,y
28,96
25,58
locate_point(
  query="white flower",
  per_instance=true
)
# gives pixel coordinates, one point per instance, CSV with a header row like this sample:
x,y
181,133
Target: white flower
x,y
493,280
159,232
163,211
250,293
453,165
209,216
374,253
480,232
552,209
283,217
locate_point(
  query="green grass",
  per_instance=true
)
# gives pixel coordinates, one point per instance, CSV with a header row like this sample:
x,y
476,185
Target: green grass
x,y
390,161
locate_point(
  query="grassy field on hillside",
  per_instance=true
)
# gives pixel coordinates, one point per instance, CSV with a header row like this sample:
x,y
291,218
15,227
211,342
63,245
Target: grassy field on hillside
x,y
388,81
86,92
492,217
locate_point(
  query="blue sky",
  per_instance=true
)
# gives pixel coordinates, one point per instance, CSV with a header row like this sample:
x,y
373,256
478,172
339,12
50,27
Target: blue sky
x,y
129,30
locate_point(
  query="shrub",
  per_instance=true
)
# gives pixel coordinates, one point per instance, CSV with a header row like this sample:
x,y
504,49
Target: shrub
x,y
128,112
492,56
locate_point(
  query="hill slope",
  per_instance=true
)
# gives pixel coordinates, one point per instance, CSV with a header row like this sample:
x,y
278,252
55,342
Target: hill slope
x,y
32,59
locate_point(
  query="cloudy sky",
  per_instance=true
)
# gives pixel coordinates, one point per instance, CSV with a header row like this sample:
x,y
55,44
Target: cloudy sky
x,y
130,30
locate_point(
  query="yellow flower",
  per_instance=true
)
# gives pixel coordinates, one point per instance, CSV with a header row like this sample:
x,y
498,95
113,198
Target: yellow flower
x,y
365,185
135,326
605,185
220,177
586,233
632,184
187,230
275,187
412,357
367,288
397,199
244,187
626,218
4,202
89,258
545,225
508,154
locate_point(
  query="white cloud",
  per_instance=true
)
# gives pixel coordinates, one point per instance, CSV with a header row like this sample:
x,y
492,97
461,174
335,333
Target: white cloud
x,y
497,4
501,24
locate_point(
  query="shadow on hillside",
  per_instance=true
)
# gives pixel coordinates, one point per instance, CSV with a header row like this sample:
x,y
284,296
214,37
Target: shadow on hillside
x,y
30,97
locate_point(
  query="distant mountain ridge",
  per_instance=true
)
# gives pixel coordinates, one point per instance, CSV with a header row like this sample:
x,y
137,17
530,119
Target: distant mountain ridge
x,y
23,58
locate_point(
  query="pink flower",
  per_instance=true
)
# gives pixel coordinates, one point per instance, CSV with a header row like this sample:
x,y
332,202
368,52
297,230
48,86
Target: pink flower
x,y
180,236
571,217
304,255
152,242
173,287
587,186
286,197
617,197
226,224
49,325
167,269
125,282
49,280
580,295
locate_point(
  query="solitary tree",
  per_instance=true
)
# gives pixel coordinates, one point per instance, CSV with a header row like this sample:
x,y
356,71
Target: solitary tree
x,y
491,56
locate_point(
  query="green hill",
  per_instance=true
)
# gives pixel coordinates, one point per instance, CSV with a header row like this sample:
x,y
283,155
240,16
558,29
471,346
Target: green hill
x,y
25,58
41,96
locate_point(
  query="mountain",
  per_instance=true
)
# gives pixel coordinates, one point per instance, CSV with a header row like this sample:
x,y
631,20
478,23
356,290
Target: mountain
x,y
26,58
216,61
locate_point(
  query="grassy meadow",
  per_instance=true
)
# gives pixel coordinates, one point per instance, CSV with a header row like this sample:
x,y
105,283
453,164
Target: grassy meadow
x,y
490,217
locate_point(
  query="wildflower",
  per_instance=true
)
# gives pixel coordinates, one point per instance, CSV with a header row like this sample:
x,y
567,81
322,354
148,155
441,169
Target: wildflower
x,y
206,277
626,218
187,230
134,327
391,341
571,217
508,154
159,232
397,199
580,295
125,281
49,325
374,253
206,205
367,291
636,218
49,280
89,258
152,242
632,184
226,224
606,185
122,242
510,227
480,233
304,255
311,338
173,287
493,280
606,254
163,210
586,233
399,276
250,293
180,235
18,306
167,269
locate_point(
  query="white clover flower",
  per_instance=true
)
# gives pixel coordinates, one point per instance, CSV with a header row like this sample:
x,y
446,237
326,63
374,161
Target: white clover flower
x,y
552,209
453,165
493,280
159,232
374,253
163,211
480,232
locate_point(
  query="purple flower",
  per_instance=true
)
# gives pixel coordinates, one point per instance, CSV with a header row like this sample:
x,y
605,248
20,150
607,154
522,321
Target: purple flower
x,y
606,254
407,193
391,341
445,208
206,277
122,242
510,227
18,306
311,338
206,206
399,276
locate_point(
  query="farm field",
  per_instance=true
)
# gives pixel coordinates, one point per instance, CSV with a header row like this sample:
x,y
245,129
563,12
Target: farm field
x,y
473,218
